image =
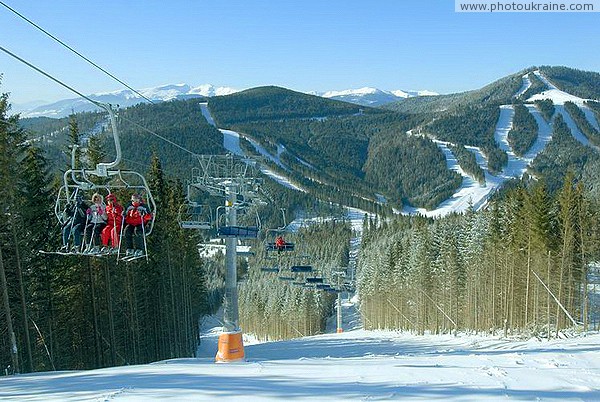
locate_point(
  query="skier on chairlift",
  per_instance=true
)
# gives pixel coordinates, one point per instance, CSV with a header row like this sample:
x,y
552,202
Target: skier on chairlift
x,y
280,243
136,216
75,214
110,233
96,222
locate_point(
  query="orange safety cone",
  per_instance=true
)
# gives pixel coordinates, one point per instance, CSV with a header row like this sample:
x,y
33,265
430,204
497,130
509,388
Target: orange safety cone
x,y
231,347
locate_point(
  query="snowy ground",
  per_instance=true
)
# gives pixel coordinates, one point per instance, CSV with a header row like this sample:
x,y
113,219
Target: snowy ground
x,y
354,365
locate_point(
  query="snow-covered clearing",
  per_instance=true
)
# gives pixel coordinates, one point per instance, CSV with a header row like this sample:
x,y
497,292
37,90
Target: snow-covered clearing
x,y
354,365
556,95
206,114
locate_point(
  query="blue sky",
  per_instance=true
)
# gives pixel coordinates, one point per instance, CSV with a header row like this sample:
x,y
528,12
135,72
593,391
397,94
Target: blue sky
x,y
302,45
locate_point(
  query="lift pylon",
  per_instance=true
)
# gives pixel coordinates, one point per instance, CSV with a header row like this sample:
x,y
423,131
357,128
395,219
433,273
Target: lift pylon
x,y
236,180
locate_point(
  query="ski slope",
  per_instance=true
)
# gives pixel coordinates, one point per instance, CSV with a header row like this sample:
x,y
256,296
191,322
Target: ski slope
x,y
231,142
472,193
355,365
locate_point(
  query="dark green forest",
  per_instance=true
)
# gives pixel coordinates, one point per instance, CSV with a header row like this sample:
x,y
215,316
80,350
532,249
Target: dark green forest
x,y
524,130
585,84
468,162
582,123
76,313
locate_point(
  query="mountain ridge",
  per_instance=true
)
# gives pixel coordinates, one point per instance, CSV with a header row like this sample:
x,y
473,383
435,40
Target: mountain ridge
x,y
366,96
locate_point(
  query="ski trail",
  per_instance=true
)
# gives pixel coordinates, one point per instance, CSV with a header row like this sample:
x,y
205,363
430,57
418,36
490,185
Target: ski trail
x,y
575,131
206,113
544,134
545,80
524,87
503,126
231,142
476,195
469,192
590,116
559,98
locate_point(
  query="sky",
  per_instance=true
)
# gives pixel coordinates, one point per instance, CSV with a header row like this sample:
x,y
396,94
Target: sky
x,y
309,45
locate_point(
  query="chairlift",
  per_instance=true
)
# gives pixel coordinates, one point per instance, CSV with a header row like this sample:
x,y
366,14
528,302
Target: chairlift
x,y
241,232
286,278
275,240
192,215
270,269
301,268
104,179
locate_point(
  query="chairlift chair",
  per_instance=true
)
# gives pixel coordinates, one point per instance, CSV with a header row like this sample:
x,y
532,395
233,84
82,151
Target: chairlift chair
x,y
286,278
274,239
270,269
104,179
237,231
301,268
192,215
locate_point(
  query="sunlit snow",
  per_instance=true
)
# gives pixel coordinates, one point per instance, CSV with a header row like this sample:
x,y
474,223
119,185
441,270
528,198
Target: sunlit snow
x,y
354,365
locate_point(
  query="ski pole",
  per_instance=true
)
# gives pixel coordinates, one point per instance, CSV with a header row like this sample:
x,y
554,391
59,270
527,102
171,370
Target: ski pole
x,y
121,238
144,237
87,219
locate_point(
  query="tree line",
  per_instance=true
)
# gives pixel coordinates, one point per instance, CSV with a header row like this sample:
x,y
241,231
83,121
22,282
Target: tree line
x,y
518,267
582,123
281,305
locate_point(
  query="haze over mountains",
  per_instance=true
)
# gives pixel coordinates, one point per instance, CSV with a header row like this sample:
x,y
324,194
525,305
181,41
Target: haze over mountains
x,y
366,96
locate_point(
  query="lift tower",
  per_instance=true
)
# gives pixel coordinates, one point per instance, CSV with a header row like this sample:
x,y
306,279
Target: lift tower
x,y
236,180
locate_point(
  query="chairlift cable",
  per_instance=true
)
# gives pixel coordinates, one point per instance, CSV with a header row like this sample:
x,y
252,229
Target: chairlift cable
x,y
72,50
39,70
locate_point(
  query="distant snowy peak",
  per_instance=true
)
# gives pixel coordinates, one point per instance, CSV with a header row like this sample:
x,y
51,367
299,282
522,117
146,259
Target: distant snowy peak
x,y
170,92
209,90
368,96
354,92
125,98
409,94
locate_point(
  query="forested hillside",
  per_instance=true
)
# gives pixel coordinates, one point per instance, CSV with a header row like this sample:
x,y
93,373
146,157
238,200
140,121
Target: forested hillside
x,y
272,103
70,312
484,271
360,152
498,92
277,305
585,84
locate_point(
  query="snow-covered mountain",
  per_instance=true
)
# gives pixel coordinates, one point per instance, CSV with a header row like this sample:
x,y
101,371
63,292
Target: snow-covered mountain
x,y
368,96
123,98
